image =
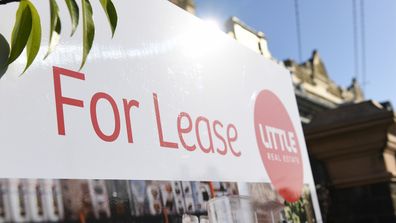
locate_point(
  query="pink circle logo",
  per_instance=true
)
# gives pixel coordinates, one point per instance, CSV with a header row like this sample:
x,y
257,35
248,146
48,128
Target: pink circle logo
x,y
278,144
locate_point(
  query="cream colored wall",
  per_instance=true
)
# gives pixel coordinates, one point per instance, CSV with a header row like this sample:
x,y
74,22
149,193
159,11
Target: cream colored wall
x,y
251,40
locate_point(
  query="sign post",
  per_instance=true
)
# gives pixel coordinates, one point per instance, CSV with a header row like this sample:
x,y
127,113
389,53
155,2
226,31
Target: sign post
x,y
168,99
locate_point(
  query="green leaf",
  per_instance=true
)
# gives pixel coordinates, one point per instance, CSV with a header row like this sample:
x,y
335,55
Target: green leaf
x,y
111,14
34,41
55,28
74,14
88,29
4,52
21,31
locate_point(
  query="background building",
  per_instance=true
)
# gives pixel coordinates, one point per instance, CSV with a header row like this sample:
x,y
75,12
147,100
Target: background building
x,y
187,5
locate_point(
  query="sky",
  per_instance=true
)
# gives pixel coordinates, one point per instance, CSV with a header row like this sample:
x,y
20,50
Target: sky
x,y
328,27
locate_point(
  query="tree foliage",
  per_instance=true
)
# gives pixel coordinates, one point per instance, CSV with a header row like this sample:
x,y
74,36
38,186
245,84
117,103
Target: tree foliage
x,y
26,33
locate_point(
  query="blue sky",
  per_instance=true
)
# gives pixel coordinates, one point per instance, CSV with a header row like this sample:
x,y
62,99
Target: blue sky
x,y
326,26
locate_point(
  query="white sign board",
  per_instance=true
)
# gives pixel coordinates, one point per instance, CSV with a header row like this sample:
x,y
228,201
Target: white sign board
x,y
168,98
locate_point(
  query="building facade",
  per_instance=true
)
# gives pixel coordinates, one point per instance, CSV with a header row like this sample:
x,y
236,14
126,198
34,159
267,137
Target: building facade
x,y
187,5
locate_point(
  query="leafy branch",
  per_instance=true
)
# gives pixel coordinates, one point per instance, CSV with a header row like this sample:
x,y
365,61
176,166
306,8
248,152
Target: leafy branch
x,y
26,32
3,2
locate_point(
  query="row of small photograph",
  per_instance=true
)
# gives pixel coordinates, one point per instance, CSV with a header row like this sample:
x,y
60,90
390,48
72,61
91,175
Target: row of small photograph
x,y
72,200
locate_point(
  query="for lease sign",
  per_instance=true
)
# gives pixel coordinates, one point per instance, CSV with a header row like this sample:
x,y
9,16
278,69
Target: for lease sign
x,y
167,98
210,129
